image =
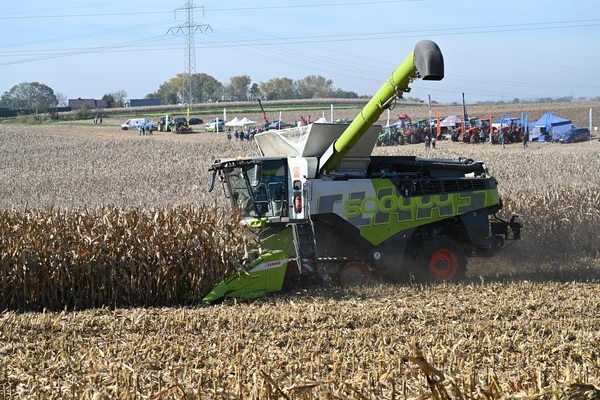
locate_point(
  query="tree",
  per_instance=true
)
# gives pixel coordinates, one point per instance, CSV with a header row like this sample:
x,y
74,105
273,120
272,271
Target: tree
x,y
254,91
204,88
61,99
342,94
29,96
110,100
115,99
238,88
314,87
278,89
120,97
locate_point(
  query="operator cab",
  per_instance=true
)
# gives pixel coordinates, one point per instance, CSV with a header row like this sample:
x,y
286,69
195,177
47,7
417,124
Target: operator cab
x,y
256,187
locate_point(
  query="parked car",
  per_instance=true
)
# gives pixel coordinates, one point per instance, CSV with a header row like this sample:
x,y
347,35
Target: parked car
x,y
277,124
215,125
196,121
133,123
574,135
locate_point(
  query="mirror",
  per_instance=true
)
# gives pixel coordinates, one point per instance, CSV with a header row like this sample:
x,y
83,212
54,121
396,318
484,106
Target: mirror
x,y
257,175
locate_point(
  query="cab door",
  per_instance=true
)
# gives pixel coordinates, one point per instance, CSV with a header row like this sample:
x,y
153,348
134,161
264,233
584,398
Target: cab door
x,y
299,188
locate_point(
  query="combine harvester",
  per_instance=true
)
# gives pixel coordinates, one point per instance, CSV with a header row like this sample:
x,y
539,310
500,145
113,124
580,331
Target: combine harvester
x,y
326,209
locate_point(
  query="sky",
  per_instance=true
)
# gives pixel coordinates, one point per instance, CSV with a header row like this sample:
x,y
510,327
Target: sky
x,y
493,51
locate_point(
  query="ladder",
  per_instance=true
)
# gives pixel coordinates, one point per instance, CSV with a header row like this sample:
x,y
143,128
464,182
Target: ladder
x,y
305,243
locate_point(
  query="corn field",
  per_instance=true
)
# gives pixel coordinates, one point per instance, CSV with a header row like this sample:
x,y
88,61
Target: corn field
x,y
77,259
96,224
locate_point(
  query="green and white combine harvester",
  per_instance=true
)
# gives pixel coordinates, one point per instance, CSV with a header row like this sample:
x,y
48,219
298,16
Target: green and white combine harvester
x,y
325,208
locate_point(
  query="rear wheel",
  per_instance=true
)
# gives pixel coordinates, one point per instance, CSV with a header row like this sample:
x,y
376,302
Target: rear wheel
x,y
354,273
441,260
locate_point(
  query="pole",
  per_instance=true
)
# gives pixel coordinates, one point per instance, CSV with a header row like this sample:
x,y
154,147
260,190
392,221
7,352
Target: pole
x,y
429,102
591,124
332,113
491,130
465,117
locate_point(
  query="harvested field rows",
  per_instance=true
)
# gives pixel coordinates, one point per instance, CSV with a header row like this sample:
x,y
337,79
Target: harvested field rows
x,y
478,341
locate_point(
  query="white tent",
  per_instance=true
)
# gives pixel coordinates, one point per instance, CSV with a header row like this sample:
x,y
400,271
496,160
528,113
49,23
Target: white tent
x,y
234,122
245,122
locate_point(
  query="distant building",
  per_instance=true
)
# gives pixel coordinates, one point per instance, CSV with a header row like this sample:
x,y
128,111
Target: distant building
x,y
76,104
143,102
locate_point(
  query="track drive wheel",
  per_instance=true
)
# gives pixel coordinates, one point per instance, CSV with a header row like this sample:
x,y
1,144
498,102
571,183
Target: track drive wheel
x,y
441,260
293,278
354,273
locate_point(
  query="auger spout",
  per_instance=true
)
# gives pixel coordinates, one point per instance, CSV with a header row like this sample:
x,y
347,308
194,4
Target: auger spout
x,y
425,62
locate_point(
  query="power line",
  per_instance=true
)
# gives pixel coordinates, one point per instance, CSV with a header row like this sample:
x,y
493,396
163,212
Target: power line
x,y
103,4
358,3
84,35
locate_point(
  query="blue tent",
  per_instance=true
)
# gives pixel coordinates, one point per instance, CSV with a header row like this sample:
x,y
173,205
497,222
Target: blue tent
x,y
553,125
504,120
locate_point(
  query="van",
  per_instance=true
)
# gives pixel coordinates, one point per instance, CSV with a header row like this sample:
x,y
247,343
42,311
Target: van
x,y
134,123
215,125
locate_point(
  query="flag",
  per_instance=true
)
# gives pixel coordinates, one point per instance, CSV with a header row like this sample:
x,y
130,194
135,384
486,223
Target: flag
x,y
465,116
429,101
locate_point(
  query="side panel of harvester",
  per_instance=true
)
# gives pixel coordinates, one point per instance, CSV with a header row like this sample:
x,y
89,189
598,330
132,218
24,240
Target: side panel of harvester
x,y
378,212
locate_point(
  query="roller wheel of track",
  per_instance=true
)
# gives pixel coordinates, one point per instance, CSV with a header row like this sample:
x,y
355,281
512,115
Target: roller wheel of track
x,y
354,273
441,260
293,278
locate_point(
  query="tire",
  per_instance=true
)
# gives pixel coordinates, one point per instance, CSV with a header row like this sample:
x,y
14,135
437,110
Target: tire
x,y
413,139
354,273
401,140
441,260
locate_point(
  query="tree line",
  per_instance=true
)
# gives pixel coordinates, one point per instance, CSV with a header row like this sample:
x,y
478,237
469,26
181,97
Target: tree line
x,y
206,88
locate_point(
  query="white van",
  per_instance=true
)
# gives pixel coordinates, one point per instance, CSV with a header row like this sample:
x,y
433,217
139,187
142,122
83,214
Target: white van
x,y
133,123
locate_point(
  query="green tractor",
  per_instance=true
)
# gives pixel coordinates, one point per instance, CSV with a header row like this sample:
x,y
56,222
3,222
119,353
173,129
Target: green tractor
x,y
165,124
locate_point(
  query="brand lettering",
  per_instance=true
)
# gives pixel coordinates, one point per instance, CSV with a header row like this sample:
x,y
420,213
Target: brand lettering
x,y
271,264
389,208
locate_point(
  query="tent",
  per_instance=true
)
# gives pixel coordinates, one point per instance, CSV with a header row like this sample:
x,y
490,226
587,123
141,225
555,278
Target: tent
x,y
504,120
245,122
549,124
234,122
451,121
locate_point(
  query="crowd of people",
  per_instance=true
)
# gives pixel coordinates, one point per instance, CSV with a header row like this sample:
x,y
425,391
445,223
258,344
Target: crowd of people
x,y
246,134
